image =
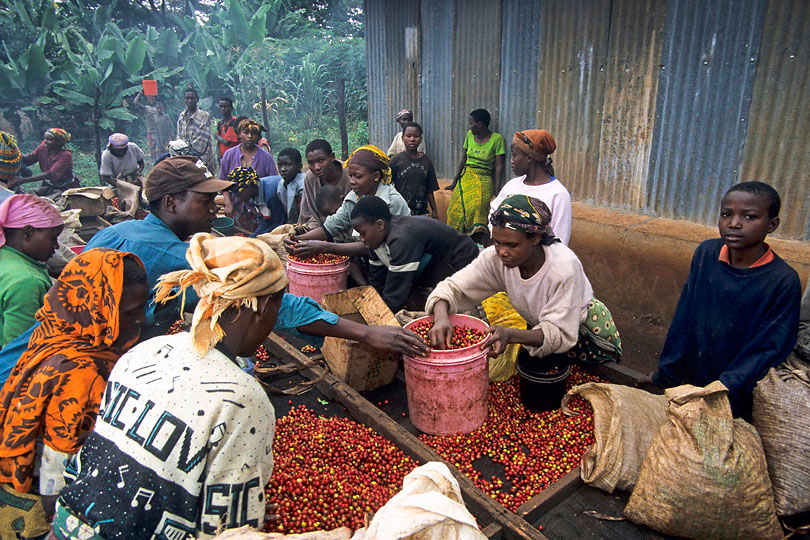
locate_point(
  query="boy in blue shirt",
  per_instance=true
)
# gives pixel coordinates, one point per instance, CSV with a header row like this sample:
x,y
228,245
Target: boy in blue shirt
x,y
291,188
739,309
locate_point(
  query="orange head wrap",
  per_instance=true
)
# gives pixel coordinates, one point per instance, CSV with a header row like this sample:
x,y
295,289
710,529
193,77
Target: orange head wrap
x,y
537,143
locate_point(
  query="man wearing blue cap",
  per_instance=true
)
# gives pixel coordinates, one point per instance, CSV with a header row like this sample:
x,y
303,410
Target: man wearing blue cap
x,y
121,158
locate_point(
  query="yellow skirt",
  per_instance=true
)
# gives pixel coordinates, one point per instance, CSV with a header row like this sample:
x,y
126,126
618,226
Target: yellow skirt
x,y
468,211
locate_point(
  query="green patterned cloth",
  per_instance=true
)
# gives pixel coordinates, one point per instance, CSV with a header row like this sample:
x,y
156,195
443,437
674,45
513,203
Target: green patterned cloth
x,y
599,339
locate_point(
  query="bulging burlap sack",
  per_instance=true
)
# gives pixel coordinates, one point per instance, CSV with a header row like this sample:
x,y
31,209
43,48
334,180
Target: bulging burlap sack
x,y
705,475
276,240
780,414
625,421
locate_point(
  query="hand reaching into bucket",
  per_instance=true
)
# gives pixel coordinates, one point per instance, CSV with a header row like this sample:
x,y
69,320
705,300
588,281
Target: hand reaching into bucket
x,y
442,332
498,339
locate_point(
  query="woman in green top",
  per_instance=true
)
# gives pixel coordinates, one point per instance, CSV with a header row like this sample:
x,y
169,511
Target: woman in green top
x,y
29,228
484,154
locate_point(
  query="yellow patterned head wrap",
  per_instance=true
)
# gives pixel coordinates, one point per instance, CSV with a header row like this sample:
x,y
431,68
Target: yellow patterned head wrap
x,y
243,178
225,272
372,157
59,134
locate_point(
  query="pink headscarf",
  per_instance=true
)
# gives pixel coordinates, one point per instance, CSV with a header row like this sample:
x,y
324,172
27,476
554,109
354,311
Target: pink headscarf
x,y
20,210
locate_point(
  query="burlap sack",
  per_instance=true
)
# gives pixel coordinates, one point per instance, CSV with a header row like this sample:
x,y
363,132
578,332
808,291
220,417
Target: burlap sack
x,y
625,421
780,414
276,240
705,476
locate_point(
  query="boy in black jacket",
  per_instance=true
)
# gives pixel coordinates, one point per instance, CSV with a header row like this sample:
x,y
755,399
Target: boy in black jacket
x,y
405,250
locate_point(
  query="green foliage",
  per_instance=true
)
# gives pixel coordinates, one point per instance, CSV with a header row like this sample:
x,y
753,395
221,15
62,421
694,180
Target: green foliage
x,y
69,60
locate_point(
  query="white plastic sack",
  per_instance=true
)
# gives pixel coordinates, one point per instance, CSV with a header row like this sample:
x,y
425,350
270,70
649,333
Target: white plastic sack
x,y
429,507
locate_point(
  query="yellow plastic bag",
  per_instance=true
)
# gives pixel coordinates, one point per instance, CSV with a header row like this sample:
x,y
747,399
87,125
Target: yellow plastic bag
x,y
499,311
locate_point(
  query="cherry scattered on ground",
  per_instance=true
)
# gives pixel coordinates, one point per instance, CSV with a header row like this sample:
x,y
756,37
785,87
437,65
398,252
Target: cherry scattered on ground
x,y
534,449
329,472
463,336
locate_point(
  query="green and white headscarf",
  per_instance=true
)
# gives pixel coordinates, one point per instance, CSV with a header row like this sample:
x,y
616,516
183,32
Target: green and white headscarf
x,y
525,214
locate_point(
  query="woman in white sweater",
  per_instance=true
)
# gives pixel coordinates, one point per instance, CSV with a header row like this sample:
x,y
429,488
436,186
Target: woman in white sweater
x,y
545,282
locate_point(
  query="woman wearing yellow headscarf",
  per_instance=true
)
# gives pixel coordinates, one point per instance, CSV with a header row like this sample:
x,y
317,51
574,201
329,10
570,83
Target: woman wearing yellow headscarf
x,y
369,174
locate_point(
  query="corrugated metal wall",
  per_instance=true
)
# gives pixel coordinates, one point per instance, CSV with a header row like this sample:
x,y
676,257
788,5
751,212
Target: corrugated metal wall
x,y
393,47
631,83
704,93
437,82
572,86
657,106
776,144
520,44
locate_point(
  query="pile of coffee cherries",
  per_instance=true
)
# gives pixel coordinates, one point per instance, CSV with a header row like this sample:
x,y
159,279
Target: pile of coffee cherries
x,y
261,355
533,449
115,203
463,336
330,472
320,258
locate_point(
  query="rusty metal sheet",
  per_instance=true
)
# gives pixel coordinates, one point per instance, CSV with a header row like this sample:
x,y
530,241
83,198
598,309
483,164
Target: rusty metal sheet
x,y
631,84
519,46
777,143
704,94
572,86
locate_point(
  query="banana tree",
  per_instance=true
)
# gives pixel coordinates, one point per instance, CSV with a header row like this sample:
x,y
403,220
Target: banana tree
x,y
103,74
28,76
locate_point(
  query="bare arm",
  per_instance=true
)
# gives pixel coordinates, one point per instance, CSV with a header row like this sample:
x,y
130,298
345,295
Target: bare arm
x,y
18,181
387,338
461,165
500,173
432,204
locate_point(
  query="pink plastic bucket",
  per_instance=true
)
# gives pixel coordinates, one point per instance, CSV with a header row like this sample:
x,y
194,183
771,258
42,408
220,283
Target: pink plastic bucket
x,y
316,280
448,391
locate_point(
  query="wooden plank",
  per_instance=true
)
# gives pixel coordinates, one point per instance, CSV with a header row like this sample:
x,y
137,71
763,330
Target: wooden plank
x,y
616,373
479,503
550,497
493,531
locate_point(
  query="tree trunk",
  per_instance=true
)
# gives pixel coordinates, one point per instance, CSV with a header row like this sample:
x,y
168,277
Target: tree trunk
x,y
96,128
341,107
264,110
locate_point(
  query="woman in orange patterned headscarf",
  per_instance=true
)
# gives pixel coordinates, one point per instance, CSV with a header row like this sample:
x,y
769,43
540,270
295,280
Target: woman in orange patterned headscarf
x,y
91,316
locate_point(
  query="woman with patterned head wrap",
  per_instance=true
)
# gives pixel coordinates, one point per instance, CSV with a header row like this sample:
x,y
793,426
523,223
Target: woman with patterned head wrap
x,y
369,174
222,419
480,173
254,202
531,162
55,161
247,154
91,315
29,228
546,284
10,157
